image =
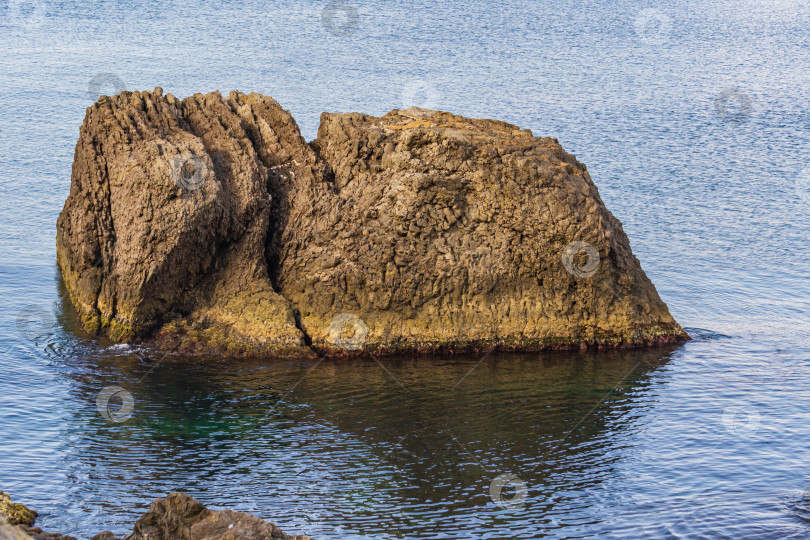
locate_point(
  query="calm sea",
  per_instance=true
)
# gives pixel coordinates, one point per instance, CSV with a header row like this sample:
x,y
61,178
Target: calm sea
x,y
692,117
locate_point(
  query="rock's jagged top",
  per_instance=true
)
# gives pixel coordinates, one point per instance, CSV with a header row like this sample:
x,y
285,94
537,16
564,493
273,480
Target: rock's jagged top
x,y
210,224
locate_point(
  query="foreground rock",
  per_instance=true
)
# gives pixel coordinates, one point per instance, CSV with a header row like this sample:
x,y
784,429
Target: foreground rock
x,y
210,225
17,522
15,513
178,516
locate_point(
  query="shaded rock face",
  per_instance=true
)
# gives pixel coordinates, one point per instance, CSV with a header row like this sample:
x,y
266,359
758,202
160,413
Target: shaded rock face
x,y
168,216
210,224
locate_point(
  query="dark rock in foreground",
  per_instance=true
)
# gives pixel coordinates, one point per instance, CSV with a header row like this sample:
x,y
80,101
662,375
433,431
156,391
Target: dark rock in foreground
x,y
210,225
178,516
15,513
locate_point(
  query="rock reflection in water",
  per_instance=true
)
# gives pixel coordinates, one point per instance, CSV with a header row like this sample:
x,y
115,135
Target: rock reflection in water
x,y
357,445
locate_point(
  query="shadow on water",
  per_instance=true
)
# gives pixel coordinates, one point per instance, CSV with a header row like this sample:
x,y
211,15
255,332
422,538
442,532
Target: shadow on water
x,y
399,447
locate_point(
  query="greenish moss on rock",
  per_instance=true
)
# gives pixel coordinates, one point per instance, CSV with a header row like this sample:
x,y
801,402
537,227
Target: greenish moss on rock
x,y
15,513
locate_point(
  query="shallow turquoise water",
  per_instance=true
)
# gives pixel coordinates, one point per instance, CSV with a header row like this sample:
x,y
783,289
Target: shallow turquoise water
x,y
705,440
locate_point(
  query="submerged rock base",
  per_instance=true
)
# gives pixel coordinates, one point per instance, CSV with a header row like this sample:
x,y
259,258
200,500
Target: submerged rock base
x,y
175,517
209,225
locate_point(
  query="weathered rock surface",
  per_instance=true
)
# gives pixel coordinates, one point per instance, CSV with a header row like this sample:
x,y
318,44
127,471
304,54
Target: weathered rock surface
x,y
177,517
446,233
168,215
210,224
180,517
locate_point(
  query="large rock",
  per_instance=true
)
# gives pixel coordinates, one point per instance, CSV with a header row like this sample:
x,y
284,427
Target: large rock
x,y
210,225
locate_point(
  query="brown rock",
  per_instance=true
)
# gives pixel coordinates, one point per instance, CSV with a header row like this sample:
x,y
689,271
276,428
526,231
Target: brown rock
x,y
104,535
210,225
180,517
38,534
11,532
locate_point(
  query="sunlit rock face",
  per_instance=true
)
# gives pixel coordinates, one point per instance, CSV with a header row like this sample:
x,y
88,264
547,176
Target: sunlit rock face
x,y
210,225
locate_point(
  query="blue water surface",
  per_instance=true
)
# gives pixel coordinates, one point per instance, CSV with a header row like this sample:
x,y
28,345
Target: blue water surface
x,y
692,117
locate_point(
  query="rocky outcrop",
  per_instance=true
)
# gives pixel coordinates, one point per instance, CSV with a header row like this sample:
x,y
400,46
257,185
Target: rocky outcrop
x,y
17,522
177,517
209,224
